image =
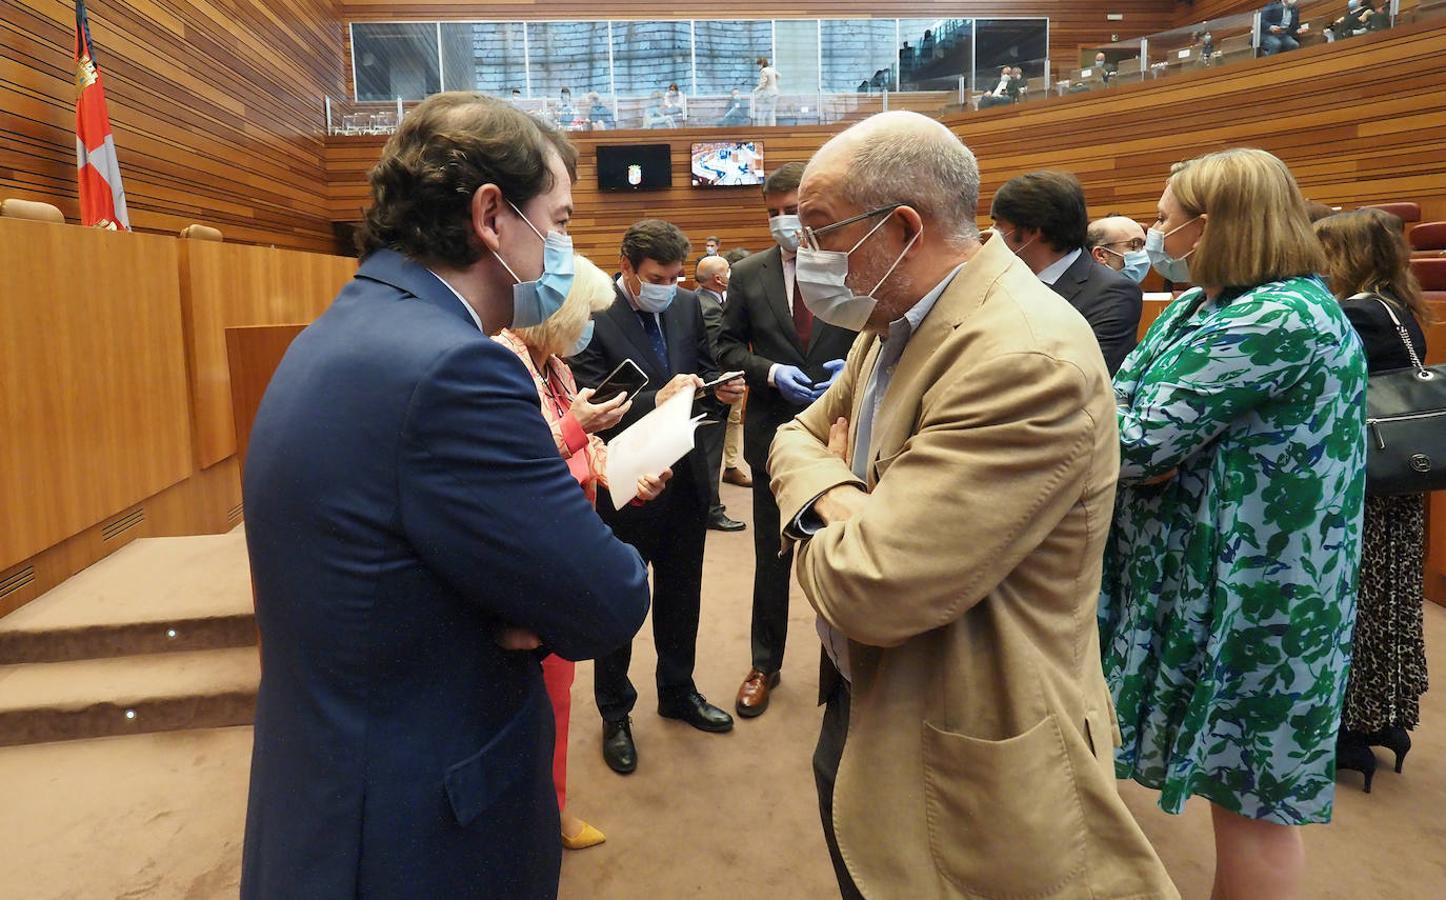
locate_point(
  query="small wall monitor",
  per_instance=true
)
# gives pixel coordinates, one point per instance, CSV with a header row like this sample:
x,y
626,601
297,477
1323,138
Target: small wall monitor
x,y
634,167
727,163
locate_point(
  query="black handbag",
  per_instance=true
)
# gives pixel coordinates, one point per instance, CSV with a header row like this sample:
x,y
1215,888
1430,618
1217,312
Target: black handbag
x,y
1406,424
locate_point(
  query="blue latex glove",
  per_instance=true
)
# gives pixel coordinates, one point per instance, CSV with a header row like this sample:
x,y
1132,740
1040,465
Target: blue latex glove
x,y
834,366
795,386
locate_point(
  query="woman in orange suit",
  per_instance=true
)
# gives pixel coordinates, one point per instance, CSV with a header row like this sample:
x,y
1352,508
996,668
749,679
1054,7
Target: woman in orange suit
x,y
575,421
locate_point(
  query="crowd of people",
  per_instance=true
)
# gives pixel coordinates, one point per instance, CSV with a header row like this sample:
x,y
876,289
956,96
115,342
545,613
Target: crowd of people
x,y
1043,555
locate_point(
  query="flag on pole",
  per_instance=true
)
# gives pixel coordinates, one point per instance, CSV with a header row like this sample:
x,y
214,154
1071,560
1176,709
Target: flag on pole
x,y
102,199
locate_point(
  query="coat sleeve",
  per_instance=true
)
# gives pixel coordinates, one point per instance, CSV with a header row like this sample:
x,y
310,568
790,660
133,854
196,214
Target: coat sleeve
x,y
799,461
491,507
1245,354
997,461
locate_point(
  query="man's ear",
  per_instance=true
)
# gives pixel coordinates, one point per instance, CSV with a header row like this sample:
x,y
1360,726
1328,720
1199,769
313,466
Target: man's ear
x,y
913,222
487,204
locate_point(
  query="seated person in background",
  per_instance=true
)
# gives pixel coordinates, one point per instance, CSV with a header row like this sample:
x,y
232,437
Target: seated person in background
x,y
1042,218
1354,22
1104,71
599,116
672,111
676,98
1280,27
654,115
999,96
737,111
1018,86
565,114
1119,242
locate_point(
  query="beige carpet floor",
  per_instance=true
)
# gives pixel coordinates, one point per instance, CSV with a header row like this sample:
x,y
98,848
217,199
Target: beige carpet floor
x,y
711,816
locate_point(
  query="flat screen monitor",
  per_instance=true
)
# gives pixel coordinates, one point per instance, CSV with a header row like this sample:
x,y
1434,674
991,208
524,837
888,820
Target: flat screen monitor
x,y
727,163
634,167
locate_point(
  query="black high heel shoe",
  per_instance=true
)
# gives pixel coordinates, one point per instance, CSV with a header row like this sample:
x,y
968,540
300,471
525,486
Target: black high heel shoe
x,y
1352,752
1393,738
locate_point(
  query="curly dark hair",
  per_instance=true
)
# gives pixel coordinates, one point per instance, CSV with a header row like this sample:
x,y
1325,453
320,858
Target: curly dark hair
x,y
657,240
446,148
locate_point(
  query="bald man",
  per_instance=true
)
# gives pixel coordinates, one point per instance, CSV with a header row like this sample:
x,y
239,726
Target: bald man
x,y
950,493
712,278
1119,242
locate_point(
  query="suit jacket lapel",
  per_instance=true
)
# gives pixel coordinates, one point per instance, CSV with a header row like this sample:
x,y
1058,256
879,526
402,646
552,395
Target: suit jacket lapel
x,y
627,320
676,337
776,290
1069,284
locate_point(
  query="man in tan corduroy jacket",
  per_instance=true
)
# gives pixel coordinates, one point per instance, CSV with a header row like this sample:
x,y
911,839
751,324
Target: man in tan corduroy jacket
x,y
952,491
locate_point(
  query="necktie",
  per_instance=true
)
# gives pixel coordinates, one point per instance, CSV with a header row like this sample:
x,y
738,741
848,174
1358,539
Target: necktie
x,y
655,337
802,318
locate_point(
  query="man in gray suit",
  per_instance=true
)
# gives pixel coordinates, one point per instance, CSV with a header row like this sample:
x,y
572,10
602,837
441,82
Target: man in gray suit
x,y
712,278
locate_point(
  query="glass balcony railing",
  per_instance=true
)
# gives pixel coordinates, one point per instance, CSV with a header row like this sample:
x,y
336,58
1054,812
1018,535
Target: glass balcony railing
x,y
831,71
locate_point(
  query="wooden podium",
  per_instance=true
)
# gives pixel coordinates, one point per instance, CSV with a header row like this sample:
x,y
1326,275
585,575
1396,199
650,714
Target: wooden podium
x,y
252,354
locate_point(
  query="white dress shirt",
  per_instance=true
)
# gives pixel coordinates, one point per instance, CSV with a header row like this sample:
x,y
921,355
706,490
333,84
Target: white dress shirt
x,y
460,299
1050,273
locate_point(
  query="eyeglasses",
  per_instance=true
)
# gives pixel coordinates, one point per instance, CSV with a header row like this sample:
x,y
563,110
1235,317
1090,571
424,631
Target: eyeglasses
x,y
1131,244
811,235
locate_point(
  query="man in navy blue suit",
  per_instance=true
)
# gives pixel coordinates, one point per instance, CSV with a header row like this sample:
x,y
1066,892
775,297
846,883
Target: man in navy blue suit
x,y
417,543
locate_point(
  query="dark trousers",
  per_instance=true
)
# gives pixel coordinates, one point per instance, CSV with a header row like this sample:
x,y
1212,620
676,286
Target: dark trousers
x,y
671,541
711,437
826,758
770,578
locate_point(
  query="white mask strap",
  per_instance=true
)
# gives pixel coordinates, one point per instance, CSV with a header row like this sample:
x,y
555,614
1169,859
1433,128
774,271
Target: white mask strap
x,y
528,221
871,232
904,253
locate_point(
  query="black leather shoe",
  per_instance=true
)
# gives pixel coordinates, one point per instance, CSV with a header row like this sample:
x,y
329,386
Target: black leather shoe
x,y
698,712
618,750
719,521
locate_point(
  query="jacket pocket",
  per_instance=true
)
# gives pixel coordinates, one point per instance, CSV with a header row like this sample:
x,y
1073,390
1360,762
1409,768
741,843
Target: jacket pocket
x,y
480,780
1004,817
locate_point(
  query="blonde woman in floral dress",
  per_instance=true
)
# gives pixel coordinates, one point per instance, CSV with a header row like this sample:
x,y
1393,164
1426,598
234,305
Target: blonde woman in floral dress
x,y
1230,574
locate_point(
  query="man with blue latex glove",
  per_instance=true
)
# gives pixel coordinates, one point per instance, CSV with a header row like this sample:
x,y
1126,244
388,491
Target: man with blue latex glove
x,y
834,366
795,385
789,359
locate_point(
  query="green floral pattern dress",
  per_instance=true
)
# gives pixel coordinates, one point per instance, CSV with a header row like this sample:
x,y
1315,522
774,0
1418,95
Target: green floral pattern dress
x,y
1230,588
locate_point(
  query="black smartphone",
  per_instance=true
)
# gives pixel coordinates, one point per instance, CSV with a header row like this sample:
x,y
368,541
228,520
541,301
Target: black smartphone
x,y
627,378
721,379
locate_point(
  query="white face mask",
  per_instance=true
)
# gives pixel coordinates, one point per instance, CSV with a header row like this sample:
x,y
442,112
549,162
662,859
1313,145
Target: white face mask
x,y
1170,268
785,231
655,298
822,277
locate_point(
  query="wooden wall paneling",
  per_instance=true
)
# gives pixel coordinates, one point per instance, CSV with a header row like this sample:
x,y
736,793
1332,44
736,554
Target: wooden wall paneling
x,y
216,107
93,414
253,353
232,284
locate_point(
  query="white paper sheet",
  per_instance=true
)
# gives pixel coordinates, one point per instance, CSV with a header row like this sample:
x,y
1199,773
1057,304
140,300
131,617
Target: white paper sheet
x,y
649,445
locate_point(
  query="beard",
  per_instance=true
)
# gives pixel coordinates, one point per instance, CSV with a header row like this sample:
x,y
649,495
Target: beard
x,y
867,265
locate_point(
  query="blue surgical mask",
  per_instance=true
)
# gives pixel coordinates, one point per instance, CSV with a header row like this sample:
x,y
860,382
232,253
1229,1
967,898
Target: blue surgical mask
x,y
534,302
583,339
786,231
1136,265
655,298
1170,268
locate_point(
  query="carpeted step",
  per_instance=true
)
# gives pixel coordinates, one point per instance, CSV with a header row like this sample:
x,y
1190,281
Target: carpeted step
x,y
156,595
61,701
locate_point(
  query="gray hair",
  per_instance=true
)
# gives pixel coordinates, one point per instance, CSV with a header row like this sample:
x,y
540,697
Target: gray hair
x,y
905,157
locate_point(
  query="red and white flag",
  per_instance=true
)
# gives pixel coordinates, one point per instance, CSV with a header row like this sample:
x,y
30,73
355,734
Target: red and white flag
x,y
102,199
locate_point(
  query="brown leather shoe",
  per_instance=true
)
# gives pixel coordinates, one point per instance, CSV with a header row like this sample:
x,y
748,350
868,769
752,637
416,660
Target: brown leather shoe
x,y
753,695
738,477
